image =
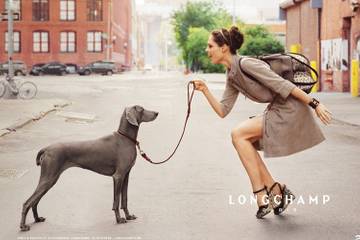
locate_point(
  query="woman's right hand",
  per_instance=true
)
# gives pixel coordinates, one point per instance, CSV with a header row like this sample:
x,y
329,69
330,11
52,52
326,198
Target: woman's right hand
x,y
200,85
323,113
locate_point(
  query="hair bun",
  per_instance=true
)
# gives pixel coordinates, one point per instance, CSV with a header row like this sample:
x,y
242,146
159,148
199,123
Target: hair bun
x,y
236,38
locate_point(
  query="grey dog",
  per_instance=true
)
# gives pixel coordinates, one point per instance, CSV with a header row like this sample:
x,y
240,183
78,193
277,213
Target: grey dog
x,y
113,155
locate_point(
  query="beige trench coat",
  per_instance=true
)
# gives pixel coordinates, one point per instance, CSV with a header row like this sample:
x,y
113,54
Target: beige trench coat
x,y
289,125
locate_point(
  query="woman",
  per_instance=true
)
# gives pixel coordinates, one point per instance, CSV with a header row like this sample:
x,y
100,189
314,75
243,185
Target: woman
x,y
278,132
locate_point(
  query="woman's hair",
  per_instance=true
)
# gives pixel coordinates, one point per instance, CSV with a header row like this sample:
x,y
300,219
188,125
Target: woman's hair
x,y
233,38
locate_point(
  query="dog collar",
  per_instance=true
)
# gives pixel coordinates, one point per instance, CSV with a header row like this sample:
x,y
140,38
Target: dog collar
x,y
130,138
142,153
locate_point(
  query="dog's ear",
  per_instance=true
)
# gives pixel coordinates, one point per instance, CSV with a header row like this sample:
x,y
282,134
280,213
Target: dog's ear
x,y
130,116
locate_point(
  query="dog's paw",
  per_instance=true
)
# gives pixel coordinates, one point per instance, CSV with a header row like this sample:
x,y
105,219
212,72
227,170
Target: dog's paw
x,y
131,217
121,220
40,219
24,228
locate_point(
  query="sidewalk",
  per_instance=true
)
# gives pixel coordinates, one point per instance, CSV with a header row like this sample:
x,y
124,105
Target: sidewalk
x,y
16,113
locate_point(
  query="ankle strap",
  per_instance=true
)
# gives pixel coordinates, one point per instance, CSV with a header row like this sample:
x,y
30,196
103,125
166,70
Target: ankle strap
x,y
274,185
264,188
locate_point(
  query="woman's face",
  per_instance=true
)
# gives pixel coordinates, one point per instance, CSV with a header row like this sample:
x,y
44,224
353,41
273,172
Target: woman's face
x,y
214,51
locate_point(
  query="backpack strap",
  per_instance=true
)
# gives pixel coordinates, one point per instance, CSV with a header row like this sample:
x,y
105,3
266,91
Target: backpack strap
x,y
307,65
246,73
252,77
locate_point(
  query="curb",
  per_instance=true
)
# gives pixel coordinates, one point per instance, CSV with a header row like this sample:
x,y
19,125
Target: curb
x,y
23,122
4,132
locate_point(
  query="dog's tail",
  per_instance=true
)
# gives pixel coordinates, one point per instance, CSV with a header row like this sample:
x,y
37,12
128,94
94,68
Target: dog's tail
x,y
38,157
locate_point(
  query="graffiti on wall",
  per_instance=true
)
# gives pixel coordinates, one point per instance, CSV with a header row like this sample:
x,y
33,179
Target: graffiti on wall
x,y
334,54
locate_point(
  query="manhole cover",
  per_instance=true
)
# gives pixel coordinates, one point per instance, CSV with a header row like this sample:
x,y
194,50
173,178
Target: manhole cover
x,y
12,173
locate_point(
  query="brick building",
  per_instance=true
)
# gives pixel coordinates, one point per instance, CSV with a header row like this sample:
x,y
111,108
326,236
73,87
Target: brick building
x,y
328,32
69,31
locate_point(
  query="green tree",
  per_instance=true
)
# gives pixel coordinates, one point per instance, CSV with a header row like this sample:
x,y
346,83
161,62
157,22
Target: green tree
x,y
197,58
192,14
206,16
259,41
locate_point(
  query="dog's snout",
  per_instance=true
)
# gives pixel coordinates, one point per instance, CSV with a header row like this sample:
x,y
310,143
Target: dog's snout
x,y
156,113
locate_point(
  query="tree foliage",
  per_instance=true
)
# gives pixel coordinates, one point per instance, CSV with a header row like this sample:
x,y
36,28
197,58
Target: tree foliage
x,y
259,41
192,14
197,57
192,26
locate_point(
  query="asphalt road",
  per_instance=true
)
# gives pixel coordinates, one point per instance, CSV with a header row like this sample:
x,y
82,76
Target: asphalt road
x,y
202,193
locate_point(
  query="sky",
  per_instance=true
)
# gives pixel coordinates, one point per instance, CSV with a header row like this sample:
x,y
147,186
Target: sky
x,y
247,10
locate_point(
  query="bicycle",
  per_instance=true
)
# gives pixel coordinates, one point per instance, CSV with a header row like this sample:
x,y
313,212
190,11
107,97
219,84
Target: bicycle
x,y
25,90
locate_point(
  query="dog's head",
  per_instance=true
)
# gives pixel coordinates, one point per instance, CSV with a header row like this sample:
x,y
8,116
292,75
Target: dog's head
x,y
137,114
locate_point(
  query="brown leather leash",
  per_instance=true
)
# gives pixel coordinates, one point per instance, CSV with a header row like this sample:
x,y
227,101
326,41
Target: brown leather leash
x,y
189,100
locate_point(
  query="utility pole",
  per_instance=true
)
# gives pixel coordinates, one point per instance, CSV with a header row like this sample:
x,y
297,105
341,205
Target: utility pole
x,y
10,49
10,38
109,40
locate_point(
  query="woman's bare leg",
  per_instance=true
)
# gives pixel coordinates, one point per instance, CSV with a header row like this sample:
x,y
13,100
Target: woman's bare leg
x,y
266,176
243,137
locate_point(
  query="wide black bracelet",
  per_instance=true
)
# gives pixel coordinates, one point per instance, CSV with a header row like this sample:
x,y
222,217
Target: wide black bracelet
x,y
314,103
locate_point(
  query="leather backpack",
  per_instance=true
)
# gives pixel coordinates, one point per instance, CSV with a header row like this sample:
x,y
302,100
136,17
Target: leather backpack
x,y
290,66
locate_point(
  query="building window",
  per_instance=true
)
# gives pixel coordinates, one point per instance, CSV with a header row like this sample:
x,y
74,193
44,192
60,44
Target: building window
x,y
67,10
40,42
67,42
94,43
40,10
17,42
94,10
17,7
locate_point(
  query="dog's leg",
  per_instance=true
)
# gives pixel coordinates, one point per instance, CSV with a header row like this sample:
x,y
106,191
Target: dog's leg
x,y
124,191
50,173
118,180
35,213
32,202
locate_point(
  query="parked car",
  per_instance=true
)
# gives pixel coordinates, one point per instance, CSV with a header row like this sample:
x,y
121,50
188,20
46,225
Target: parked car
x,y
35,68
102,67
71,67
19,68
53,68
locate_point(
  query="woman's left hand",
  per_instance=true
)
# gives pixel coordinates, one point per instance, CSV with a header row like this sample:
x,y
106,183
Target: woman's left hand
x,y
323,113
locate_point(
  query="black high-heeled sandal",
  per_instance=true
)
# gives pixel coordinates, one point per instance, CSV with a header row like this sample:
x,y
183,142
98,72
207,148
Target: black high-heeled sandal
x,y
286,198
263,209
